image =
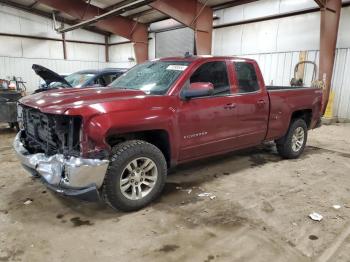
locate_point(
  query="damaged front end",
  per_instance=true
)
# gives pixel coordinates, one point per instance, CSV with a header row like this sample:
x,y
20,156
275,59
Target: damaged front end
x,y
48,146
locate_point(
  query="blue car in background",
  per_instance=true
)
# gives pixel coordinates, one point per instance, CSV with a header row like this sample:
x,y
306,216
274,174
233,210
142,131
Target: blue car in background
x,y
80,79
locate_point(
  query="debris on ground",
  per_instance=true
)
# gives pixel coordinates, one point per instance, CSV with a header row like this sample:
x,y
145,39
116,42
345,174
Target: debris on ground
x,y
28,201
210,195
188,190
313,237
336,207
267,207
4,212
204,194
315,216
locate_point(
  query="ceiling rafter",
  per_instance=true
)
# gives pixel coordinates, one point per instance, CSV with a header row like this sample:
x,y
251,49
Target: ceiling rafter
x,y
33,4
117,5
41,13
321,3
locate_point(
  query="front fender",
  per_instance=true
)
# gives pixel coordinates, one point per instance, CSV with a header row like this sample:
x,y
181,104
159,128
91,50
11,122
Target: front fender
x,y
100,127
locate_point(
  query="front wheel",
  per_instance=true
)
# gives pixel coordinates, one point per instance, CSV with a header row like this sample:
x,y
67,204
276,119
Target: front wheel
x,y
135,177
292,145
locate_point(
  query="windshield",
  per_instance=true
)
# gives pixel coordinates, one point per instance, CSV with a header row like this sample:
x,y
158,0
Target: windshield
x,y
75,80
154,77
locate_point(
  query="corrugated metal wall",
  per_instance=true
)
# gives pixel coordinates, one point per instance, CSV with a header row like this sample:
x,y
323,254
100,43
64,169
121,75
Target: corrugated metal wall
x,y
341,84
278,68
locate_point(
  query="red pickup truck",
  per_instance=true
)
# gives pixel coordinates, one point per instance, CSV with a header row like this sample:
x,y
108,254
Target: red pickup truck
x,y
117,142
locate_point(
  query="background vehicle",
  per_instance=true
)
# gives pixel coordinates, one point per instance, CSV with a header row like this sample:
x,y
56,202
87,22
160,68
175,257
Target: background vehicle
x,y
84,78
10,92
118,142
43,85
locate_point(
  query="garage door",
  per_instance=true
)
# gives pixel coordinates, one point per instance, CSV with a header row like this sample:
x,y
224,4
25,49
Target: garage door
x,y
174,42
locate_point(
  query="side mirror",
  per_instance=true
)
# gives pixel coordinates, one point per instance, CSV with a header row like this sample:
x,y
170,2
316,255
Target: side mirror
x,y
198,89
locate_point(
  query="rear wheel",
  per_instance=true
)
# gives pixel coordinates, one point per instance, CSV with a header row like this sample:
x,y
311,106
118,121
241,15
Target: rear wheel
x,y
293,143
136,175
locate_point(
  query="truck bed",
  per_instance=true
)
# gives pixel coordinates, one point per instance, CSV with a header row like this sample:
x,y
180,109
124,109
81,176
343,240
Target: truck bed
x,y
287,99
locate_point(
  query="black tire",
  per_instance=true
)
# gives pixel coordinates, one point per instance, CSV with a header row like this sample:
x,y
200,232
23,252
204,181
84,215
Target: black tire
x,y
284,145
122,155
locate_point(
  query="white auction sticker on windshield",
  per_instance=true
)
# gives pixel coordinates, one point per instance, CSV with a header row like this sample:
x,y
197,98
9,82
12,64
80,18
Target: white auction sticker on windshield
x,y
176,67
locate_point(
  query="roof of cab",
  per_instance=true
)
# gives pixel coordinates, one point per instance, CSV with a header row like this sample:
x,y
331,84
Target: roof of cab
x,y
104,70
193,58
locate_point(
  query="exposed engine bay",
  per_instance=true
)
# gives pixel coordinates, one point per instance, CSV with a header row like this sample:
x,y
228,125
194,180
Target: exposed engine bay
x,y
50,134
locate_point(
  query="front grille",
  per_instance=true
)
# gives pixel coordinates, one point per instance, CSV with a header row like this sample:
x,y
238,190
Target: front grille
x,y
50,134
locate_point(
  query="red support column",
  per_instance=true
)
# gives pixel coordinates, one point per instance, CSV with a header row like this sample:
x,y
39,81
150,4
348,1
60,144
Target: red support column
x,y
330,15
194,15
130,29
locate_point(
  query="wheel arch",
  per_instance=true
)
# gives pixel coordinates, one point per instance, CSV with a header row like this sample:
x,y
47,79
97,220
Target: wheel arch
x,y
157,137
305,114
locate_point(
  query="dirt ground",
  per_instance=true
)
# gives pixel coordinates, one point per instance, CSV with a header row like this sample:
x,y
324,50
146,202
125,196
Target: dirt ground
x,y
260,212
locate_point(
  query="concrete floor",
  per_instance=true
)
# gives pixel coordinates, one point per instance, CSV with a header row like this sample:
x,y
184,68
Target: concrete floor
x,y
260,212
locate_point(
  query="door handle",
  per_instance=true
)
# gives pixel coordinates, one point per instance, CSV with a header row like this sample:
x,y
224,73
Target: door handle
x,y
230,106
261,103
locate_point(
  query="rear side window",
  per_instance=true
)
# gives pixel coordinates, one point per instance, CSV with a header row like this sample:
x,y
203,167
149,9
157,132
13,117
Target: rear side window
x,y
246,76
215,73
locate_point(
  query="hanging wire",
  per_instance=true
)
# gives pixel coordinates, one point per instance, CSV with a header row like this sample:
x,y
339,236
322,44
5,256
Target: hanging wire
x,y
87,6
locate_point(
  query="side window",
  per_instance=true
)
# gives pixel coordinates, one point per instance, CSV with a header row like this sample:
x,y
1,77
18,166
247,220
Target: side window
x,y
106,79
215,73
109,78
99,81
246,76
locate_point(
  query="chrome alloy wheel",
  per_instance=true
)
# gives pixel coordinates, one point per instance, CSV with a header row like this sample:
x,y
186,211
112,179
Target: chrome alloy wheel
x,y
298,139
138,178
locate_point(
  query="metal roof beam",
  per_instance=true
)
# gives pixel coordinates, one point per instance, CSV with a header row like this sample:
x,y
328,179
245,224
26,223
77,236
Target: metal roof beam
x,y
114,12
48,15
108,21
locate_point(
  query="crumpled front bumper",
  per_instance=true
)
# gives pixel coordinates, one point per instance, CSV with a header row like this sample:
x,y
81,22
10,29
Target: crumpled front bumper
x,y
73,176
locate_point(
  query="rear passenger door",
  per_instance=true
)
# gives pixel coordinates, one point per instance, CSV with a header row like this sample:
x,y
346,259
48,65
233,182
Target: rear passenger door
x,y
252,104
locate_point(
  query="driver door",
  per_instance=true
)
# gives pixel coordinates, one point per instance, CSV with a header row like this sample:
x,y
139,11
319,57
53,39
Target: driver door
x,y
206,123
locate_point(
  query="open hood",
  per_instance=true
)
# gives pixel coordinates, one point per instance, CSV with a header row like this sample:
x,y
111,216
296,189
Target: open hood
x,y
49,76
